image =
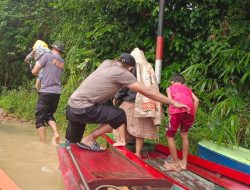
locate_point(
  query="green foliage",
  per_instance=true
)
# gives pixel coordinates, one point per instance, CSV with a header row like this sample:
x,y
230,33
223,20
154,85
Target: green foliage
x,y
14,103
21,24
98,30
215,61
22,103
208,41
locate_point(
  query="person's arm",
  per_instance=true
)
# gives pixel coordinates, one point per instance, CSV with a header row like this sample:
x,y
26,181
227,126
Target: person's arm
x,y
36,69
169,93
29,57
154,95
196,102
40,64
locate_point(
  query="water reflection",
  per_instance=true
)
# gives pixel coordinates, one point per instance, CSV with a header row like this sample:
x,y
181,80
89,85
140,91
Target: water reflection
x,y
30,164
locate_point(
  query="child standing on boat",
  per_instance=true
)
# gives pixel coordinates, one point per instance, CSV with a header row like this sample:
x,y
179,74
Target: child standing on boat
x,y
180,117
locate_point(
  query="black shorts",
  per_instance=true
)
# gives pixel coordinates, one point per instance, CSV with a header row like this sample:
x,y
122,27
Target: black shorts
x,y
98,113
45,108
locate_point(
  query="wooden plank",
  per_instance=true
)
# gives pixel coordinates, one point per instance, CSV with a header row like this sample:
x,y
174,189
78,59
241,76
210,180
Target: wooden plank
x,y
211,166
186,178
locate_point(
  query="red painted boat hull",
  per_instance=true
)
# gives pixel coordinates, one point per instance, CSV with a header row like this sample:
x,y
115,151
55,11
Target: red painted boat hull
x,y
217,174
120,167
108,167
6,183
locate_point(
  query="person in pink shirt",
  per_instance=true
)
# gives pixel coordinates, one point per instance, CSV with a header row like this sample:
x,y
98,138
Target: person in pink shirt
x,y
180,117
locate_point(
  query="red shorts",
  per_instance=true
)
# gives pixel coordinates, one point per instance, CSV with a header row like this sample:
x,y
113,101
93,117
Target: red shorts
x,y
183,120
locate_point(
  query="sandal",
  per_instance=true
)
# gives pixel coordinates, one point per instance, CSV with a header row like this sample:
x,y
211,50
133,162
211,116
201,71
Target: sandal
x,y
95,147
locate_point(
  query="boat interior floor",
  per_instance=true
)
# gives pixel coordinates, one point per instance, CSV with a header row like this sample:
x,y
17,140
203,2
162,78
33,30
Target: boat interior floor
x,y
184,177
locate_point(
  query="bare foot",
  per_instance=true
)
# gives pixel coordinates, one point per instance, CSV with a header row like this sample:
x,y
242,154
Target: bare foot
x,y
56,140
138,155
183,165
119,143
171,167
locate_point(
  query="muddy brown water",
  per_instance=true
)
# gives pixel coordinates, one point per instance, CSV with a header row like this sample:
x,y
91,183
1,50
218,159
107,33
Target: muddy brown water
x,y
32,165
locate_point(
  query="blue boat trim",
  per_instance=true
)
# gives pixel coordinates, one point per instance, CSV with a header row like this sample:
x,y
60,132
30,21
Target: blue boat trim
x,y
218,158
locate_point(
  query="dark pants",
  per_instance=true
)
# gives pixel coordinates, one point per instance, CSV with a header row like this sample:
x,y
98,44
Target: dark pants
x,y
45,108
78,117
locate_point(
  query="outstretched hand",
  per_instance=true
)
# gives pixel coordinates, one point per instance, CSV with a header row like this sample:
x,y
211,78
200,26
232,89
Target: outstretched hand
x,y
180,105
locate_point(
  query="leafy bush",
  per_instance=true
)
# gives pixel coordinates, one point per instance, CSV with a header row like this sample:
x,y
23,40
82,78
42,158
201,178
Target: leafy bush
x,y
208,41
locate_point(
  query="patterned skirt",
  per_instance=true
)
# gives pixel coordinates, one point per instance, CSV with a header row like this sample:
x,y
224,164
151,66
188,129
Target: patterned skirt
x,y
138,126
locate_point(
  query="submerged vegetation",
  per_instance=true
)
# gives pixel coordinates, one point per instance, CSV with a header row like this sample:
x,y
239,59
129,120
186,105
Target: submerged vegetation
x,y
208,41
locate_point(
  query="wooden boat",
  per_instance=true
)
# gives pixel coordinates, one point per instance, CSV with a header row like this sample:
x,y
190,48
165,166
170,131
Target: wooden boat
x,y
6,183
86,170
233,157
119,168
200,173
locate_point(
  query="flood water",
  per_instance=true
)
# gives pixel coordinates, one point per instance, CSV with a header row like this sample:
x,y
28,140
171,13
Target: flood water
x,y
32,165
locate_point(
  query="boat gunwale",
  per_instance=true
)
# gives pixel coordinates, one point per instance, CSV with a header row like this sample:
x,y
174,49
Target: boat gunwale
x,y
140,162
224,171
234,175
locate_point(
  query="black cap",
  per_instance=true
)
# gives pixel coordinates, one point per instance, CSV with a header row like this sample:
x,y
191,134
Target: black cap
x,y
58,45
127,58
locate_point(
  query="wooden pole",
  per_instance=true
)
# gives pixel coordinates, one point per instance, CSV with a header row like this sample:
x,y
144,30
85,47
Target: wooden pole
x,y
160,42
